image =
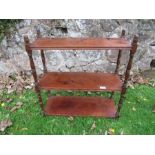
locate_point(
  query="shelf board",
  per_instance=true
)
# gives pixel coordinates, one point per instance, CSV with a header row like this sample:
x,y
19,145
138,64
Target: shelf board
x,y
84,81
80,106
80,43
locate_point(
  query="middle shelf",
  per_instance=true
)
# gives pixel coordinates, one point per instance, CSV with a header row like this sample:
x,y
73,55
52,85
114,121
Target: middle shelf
x,y
84,81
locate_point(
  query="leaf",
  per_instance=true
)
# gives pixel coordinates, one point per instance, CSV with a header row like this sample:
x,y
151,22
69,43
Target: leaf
x,y
84,132
144,99
9,100
4,124
153,110
106,132
122,132
11,88
89,93
130,84
111,131
23,129
17,106
71,118
28,87
16,82
1,85
93,126
100,131
133,109
139,79
2,104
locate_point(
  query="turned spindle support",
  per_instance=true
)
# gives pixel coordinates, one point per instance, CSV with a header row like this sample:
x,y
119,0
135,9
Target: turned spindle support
x,y
127,74
118,59
43,58
32,65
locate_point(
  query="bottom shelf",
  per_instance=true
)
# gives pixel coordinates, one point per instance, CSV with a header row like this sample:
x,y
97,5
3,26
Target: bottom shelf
x,y
80,106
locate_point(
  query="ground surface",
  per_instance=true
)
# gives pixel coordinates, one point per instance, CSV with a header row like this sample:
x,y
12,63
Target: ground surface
x,y
137,116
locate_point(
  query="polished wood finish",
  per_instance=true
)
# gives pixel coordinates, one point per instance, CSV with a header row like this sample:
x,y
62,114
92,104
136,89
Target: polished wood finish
x,y
80,106
118,59
43,58
42,54
43,61
119,54
80,81
127,74
80,43
29,51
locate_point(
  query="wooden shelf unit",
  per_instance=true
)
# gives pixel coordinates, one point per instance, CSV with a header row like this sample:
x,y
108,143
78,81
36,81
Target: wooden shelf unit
x,y
83,81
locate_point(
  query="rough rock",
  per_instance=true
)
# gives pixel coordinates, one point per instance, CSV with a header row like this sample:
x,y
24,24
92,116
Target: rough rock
x,y
13,57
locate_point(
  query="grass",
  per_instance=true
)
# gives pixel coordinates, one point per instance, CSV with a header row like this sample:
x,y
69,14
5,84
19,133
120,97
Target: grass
x,y
136,115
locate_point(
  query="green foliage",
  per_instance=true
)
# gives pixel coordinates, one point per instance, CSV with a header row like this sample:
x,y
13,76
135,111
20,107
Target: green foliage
x,y
5,25
136,116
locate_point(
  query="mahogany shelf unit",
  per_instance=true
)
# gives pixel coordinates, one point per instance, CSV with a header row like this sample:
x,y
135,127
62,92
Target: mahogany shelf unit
x,y
82,81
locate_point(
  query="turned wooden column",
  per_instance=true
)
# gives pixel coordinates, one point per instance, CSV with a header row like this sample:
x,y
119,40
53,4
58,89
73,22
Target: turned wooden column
x,y
42,54
127,74
29,52
43,58
118,59
119,54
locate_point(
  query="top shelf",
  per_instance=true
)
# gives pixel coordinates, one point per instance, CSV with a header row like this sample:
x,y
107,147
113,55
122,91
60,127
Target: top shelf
x,y
80,43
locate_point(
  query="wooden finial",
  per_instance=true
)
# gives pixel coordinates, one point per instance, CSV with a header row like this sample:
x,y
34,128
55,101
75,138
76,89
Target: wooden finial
x,y
26,39
38,33
135,39
123,33
134,44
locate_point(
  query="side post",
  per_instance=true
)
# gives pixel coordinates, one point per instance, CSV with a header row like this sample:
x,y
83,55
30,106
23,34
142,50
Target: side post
x,y
43,58
119,54
127,74
118,59
42,54
29,52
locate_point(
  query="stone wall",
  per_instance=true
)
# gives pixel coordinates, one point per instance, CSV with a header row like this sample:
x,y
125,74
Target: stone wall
x,y
13,57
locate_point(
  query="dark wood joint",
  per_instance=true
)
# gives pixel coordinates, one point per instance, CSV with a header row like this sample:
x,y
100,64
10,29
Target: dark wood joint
x,y
36,84
123,34
27,44
38,33
134,45
29,53
43,61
